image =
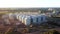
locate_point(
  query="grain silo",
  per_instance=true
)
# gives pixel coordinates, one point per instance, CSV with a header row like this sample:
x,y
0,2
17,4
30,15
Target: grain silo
x,y
42,19
23,18
39,19
34,19
27,20
20,17
17,16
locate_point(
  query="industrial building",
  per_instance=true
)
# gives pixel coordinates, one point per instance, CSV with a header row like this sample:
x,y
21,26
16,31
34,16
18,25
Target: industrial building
x,y
29,19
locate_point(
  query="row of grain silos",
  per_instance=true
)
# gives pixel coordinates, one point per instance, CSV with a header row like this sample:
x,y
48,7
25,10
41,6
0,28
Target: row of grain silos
x,y
31,19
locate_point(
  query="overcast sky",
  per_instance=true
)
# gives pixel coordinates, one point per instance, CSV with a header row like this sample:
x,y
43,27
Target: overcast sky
x,y
29,3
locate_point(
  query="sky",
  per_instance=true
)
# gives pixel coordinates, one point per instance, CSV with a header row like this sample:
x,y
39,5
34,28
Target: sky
x,y
29,3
